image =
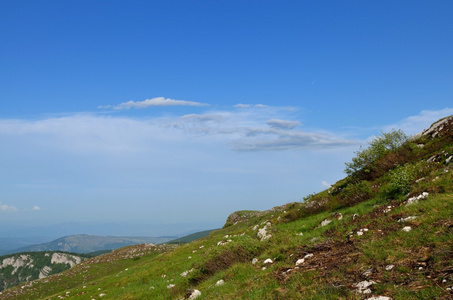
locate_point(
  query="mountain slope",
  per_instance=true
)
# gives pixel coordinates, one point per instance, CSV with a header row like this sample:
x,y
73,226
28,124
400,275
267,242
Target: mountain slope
x,y
86,243
384,231
28,266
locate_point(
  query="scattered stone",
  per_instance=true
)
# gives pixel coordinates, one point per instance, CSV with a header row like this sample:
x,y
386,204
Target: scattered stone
x,y
363,287
407,228
407,219
185,273
367,272
263,268
355,216
268,261
220,282
170,286
221,243
413,200
194,294
263,234
325,222
379,298
254,261
389,267
101,295
339,216
300,261
300,234
449,160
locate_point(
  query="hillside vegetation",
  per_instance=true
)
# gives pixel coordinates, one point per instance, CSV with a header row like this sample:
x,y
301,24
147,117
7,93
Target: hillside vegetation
x,y
28,266
384,232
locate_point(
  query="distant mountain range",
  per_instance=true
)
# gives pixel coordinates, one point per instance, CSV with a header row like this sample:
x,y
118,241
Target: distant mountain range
x,y
86,243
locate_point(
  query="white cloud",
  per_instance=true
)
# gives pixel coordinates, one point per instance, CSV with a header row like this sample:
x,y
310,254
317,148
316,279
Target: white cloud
x,y
6,207
415,124
282,124
251,105
158,101
295,140
242,105
36,208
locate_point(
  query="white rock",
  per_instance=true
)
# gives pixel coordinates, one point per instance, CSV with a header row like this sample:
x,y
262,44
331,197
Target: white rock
x,y
308,255
268,261
363,287
448,160
300,261
220,282
263,268
389,267
195,294
254,261
359,233
407,219
325,222
407,228
185,273
379,298
170,286
101,295
262,233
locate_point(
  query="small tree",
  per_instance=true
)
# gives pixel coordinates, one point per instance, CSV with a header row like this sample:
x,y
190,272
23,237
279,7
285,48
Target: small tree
x,y
378,147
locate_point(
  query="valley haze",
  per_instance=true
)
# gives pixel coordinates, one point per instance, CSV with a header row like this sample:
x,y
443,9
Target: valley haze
x,y
158,118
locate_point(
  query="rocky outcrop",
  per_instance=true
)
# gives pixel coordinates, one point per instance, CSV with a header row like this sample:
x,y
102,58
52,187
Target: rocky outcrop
x,y
440,128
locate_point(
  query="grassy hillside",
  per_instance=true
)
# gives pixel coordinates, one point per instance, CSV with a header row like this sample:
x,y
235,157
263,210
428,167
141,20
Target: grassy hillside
x,y
386,230
190,237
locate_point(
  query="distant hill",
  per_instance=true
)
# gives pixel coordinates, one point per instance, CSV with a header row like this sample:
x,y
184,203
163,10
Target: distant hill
x,y
191,237
86,243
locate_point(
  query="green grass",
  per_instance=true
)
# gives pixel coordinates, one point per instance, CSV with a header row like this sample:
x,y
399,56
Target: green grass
x,y
422,258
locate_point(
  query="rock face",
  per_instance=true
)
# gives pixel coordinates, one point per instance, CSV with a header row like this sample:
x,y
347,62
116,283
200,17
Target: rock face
x,y
17,268
63,258
440,128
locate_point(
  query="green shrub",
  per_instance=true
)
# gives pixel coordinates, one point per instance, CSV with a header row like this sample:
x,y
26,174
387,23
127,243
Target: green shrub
x,y
378,147
355,193
401,179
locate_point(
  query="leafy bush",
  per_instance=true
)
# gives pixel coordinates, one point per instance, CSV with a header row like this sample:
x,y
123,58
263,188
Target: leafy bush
x,y
355,193
378,147
401,179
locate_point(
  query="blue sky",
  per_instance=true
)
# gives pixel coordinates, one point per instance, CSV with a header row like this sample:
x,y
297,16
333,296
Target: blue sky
x,y
165,112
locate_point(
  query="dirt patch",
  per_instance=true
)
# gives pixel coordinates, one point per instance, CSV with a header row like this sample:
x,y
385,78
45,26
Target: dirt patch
x,y
327,257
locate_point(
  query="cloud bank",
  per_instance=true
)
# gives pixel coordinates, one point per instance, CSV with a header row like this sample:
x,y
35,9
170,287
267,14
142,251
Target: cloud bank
x,y
158,101
6,207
